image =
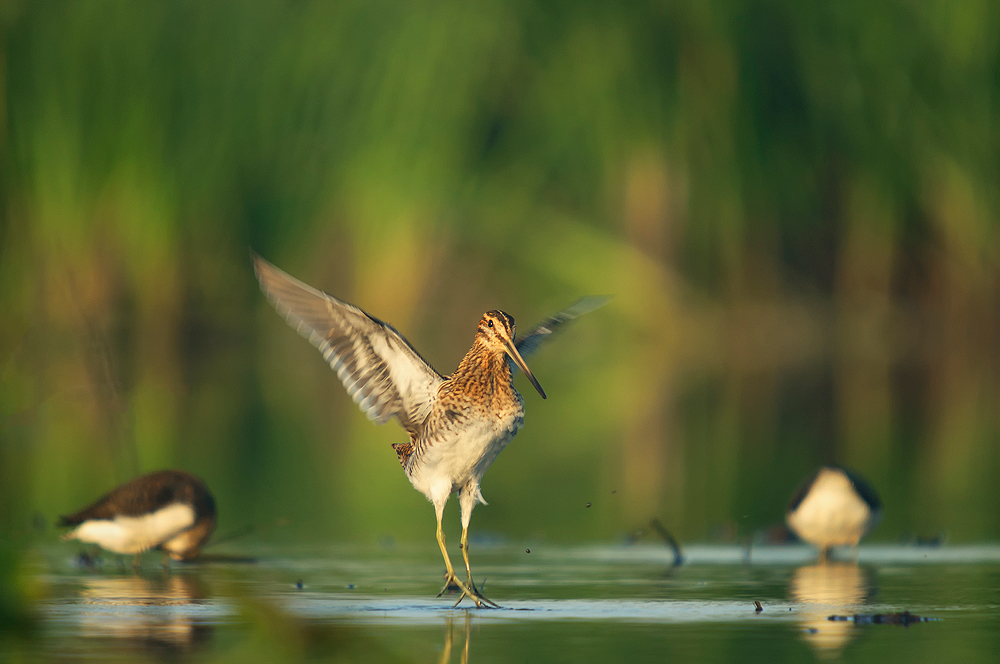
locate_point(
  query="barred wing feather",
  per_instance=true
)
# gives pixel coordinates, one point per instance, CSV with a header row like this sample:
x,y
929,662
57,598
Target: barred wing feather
x,y
530,342
381,371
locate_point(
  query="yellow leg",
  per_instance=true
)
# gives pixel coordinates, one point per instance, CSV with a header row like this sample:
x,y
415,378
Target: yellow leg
x,y
468,570
451,579
464,545
444,551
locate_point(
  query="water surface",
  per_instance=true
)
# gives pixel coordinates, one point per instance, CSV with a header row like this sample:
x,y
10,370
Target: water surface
x,y
579,604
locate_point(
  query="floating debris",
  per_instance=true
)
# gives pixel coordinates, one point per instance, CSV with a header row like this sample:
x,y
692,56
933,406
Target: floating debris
x,y
298,584
924,540
527,550
931,540
588,504
905,618
757,607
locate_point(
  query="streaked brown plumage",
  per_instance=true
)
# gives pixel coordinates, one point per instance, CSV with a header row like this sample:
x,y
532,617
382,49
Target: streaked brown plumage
x,y
124,521
457,424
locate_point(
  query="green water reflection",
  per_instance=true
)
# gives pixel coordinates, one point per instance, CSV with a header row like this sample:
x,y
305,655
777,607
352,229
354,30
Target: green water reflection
x,y
591,605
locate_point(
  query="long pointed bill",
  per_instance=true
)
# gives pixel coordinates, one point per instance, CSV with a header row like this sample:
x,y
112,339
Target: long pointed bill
x,y
519,361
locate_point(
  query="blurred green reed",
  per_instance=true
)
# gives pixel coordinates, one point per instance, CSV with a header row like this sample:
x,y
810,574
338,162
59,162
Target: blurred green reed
x,y
795,207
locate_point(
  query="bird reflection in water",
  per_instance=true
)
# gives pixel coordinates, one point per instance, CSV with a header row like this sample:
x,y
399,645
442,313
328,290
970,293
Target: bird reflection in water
x,y
449,637
826,589
146,614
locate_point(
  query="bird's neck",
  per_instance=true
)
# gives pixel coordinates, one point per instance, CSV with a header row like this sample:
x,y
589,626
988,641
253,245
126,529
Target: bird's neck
x,y
483,371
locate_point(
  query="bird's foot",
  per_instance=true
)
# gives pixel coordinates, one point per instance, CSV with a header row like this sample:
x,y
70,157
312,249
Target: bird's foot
x,y
481,600
452,584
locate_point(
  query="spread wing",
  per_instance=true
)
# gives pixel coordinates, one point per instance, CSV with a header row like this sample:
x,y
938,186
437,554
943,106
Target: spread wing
x,y
381,371
530,342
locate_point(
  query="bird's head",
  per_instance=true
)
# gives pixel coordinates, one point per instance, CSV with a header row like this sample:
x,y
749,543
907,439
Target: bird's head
x,y
496,332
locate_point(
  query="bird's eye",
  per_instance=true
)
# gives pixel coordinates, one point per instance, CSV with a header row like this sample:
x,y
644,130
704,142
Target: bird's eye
x,y
490,323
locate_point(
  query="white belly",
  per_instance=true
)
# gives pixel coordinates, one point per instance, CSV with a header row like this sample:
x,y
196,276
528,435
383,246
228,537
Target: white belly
x,y
135,534
832,514
462,456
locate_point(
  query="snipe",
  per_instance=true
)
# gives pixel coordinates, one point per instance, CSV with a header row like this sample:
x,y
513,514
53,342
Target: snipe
x,y
834,507
457,424
170,510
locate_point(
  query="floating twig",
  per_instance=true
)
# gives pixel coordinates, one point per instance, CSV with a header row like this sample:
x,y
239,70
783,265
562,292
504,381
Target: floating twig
x,y
905,618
